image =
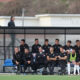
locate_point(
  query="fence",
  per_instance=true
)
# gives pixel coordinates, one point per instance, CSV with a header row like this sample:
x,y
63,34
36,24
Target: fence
x,y
10,37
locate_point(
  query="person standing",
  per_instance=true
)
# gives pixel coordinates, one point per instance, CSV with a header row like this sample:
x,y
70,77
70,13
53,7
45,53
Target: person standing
x,y
11,23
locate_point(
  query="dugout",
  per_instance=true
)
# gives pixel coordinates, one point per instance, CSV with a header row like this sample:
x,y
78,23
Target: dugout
x,y
10,37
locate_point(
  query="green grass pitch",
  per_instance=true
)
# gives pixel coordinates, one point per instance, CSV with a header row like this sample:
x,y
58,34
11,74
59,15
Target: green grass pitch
x,y
38,77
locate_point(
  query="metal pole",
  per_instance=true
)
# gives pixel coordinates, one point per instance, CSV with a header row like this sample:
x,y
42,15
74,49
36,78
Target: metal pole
x,y
23,10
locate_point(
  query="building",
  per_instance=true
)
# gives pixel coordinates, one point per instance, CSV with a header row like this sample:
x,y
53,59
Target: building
x,y
51,20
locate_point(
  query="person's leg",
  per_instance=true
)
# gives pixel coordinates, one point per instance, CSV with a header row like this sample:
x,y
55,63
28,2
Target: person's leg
x,y
49,67
25,66
34,66
45,65
52,68
63,67
18,67
68,68
74,69
77,67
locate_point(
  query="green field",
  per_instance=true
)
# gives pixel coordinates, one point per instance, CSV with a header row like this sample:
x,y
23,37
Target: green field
x,y
38,77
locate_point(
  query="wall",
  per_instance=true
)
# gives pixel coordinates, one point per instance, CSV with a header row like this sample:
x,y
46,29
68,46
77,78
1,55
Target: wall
x,y
52,20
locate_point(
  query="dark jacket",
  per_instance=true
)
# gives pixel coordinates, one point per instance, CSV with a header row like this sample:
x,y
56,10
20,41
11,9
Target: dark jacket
x,y
11,24
35,48
17,57
22,47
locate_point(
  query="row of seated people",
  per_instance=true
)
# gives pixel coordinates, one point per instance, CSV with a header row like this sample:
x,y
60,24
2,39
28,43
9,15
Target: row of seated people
x,y
48,56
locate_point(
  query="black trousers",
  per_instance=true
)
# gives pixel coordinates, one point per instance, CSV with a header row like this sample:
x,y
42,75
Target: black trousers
x,y
42,64
51,66
63,65
18,65
26,65
34,65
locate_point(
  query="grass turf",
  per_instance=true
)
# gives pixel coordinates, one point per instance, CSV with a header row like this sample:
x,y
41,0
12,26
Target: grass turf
x,y
38,77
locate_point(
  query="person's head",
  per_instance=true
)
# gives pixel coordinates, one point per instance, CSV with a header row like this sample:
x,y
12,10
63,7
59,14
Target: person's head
x,y
12,18
61,49
51,49
68,43
40,49
73,51
77,42
22,42
57,41
16,49
46,41
36,41
26,51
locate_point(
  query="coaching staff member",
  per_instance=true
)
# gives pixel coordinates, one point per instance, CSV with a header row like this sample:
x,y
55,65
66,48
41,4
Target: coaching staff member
x,y
17,59
11,24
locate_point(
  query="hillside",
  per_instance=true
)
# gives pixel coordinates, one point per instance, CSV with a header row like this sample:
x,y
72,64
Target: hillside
x,y
5,0
33,7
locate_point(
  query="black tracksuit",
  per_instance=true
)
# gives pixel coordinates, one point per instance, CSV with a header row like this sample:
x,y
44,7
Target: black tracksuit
x,y
41,58
34,62
17,57
77,49
35,48
68,47
11,24
51,63
27,57
22,47
46,48
63,63
57,49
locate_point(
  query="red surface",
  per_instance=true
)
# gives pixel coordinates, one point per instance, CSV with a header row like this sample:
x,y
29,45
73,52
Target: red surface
x,y
5,0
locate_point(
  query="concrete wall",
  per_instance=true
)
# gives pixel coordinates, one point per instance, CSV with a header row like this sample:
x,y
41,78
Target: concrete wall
x,y
52,20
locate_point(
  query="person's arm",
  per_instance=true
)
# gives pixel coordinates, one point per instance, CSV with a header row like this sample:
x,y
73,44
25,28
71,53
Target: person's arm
x,y
49,59
62,58
33,49
26,46
24,58
14,59
9,24
21,49
54,59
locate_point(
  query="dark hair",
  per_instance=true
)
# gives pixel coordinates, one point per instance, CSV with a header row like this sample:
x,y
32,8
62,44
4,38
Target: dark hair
x,y
23,40
51,47
69,41
26,48
77,40
57,39
16,47
36,39
46,40
11,18
62,47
